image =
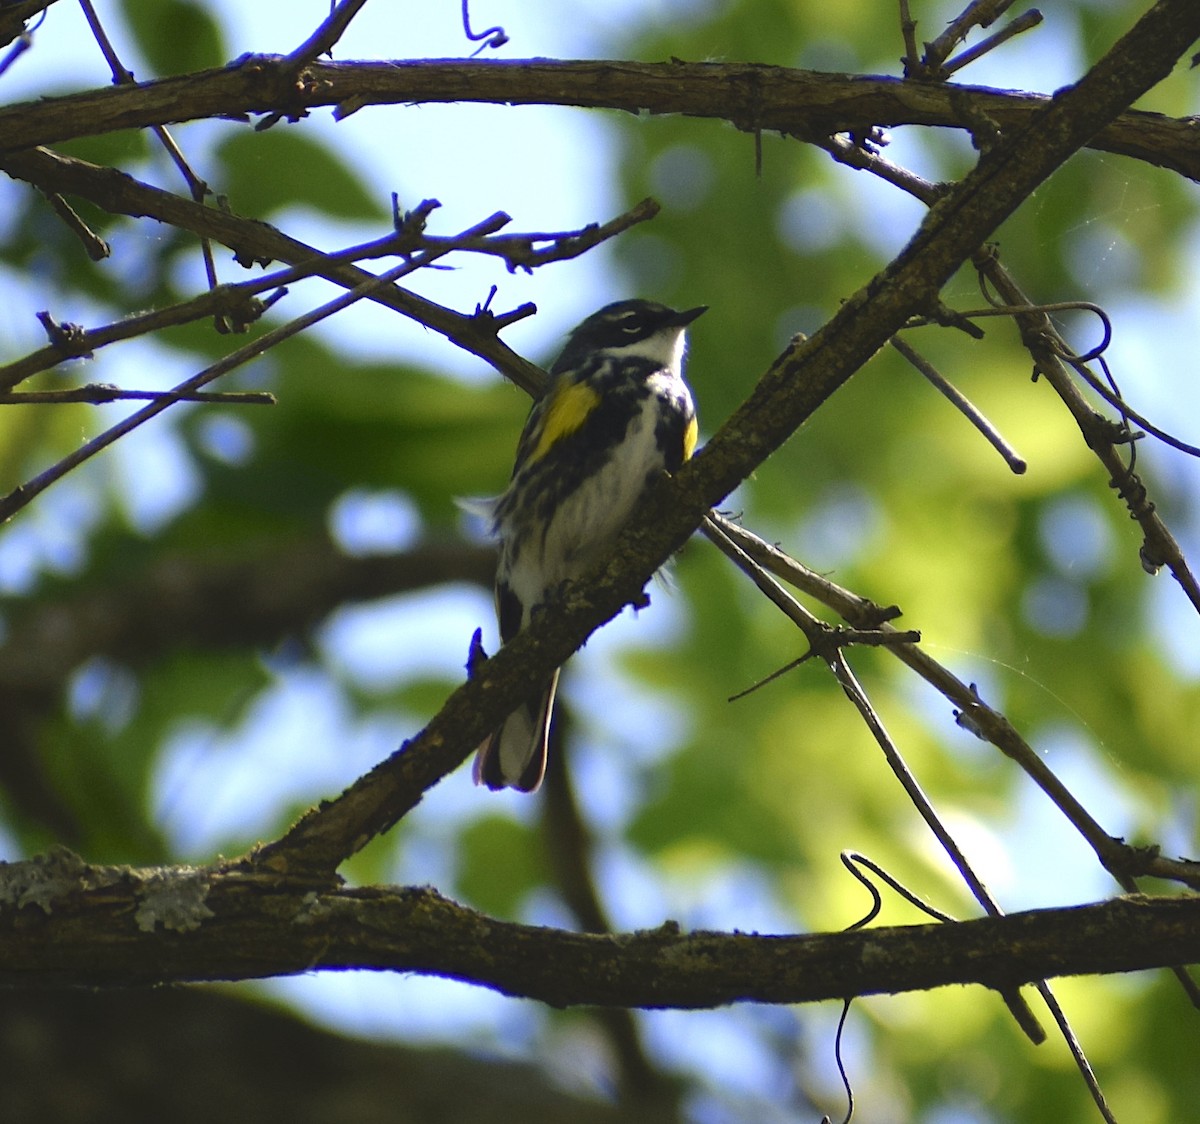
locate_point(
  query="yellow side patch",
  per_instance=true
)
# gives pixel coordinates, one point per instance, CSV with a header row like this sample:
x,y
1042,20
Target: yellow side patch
x,y
689,438
566,410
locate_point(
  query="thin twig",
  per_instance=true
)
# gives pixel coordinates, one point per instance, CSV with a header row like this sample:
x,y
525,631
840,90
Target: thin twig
x,y
1081,1062
963,404
979,13
94,246
196,186
852,860
98,393
835,657
813,628
70,341
908,30
328,32
520,251
1023,22
22,495
21,44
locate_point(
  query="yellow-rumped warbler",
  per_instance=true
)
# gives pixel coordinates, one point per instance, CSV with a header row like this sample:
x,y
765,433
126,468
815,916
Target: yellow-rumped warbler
x,y
616,414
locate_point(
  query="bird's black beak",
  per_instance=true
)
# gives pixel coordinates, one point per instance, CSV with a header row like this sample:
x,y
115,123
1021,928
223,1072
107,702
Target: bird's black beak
x,y
681,319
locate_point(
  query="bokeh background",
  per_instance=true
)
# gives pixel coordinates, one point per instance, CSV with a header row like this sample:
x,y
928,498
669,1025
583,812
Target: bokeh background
x,y
715,814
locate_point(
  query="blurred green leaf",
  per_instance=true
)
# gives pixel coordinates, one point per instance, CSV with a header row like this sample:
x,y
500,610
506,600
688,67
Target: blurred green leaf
x,y
119,148
501,862
175,36
264,172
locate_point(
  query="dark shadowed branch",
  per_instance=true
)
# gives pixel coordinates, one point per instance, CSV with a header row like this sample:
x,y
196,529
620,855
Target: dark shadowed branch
x,y
66,923
752,97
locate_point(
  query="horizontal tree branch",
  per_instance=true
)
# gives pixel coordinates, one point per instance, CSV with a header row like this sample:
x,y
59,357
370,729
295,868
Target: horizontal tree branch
x,y
274,1065
217,602
753,97
186,603
65,923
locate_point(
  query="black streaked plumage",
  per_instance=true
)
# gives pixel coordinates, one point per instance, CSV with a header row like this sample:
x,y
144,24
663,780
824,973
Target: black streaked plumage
x,y
617,413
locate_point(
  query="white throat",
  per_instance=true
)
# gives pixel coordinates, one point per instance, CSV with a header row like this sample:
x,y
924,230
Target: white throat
x,y
665,348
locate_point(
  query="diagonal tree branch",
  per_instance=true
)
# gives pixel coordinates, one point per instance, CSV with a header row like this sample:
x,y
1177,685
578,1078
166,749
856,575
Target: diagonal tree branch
x,y
803,377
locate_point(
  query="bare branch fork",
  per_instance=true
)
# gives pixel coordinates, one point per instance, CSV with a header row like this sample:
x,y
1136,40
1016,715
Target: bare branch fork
x,y
23,494
1052,355
835,656
409,240
237,303
973,713
819,637
253,241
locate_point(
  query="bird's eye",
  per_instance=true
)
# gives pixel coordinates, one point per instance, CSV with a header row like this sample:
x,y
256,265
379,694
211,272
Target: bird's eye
x,y
630,323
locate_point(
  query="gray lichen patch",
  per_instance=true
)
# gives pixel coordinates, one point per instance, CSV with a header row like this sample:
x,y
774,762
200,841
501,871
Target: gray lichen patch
x,y
173,898
44,879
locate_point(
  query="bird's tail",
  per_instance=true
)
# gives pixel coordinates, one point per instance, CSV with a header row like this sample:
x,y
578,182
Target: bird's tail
x,y
515,755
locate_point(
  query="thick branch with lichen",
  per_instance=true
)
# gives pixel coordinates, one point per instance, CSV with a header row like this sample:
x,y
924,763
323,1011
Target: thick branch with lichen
x,y
65,923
